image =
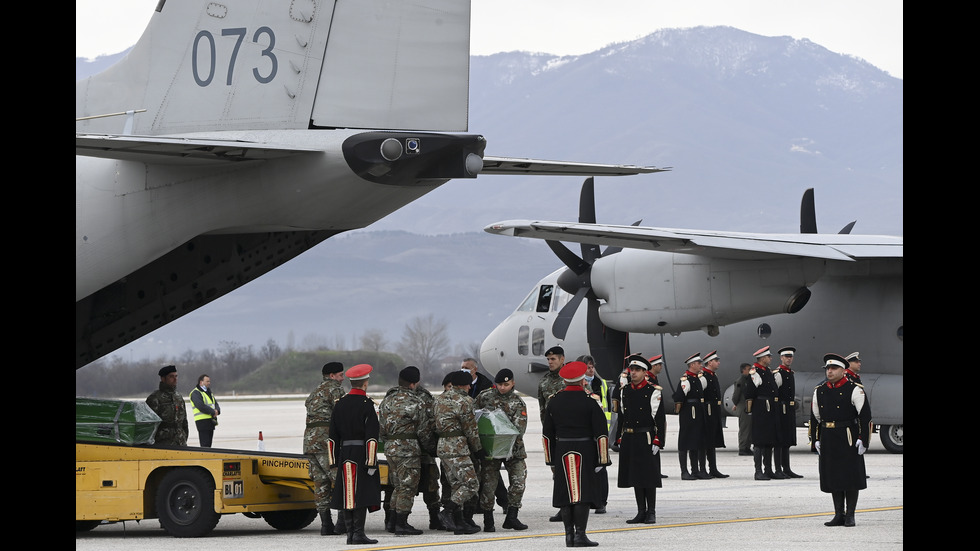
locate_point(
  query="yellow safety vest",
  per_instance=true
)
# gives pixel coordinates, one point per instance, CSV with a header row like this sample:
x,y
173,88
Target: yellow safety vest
x,y
208,400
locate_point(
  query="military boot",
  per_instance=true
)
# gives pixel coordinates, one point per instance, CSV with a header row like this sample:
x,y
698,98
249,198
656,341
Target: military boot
x,y
403,528
326,524
512,521
447,517
355,534
488,521
850,499
759,473
838,519
566,517
340,528
468,517
580,516
777,467
462,527
434,522
789,472
767,461
641,507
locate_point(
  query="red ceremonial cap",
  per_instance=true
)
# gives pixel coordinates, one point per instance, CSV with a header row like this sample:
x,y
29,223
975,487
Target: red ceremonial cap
x,y
656,360
695,358
713,355
359,371
762,352
573,371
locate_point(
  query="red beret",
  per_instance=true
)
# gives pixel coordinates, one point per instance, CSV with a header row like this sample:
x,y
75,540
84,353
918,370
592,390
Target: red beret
x,y
359,371
573,371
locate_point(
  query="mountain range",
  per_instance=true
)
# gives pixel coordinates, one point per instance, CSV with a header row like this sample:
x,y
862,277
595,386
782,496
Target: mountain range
x,y
746,122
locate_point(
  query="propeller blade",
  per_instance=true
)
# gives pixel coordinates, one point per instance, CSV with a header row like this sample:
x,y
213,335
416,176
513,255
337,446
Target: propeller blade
x,y
847,229
808,214
560,328
568,258
586,215
608,346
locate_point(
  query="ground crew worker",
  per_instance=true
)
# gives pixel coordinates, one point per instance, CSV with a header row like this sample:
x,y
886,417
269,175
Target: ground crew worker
x,y
459,441
502,397
319,412
840,426
761,401
406,428
576,444
205,410
169,406
786,382
353,449
689,406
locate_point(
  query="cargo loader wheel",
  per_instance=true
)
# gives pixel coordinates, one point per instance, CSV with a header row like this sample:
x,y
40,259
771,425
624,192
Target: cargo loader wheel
x,y
893,438
185,503
290,520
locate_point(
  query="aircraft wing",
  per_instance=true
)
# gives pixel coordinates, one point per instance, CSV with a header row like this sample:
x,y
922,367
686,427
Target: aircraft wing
x,y
718,244
155,149
510,165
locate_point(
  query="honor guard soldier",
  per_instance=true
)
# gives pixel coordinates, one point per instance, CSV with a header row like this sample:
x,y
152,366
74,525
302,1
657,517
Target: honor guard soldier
x,y
714,425
502,397
840,425
853,370
353,449
641,417
576,445
786,382
762,402
406,429
319,412
689,406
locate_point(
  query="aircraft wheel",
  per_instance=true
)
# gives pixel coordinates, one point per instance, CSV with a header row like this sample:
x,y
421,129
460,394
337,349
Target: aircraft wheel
x,y
185,503
892,438
296,519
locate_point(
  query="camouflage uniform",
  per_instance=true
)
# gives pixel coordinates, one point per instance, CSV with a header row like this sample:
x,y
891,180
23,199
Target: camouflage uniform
x,y
319,411
169,405
550,384
516,410
429,479
406,429
459,439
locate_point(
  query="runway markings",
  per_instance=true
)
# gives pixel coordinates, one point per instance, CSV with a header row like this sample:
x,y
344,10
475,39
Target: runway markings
x,y
623,529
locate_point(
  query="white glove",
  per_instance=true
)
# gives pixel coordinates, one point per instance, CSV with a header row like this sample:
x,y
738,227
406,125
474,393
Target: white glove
x,y
818,447
371,472
656,450
861,448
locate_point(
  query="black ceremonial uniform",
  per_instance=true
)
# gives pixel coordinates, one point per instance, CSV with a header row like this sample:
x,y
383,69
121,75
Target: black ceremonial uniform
x,y
354,435
641,415
573,426
837,424
689,403
786,382
714,432
762,401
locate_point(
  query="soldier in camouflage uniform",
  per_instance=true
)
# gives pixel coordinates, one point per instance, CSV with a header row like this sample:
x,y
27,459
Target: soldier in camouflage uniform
x,y
459,439
505,399
548,387
406,429
430,477
319,411
169,405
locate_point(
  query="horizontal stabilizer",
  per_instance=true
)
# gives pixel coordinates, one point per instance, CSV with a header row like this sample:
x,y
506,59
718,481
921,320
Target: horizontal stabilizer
x,y
152,149
510,165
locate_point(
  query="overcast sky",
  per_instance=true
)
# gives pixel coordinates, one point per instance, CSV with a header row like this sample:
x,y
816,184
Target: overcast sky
x,y
868,29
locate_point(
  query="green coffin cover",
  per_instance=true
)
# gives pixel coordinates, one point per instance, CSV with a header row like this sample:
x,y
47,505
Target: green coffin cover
x,y
497,433
115,421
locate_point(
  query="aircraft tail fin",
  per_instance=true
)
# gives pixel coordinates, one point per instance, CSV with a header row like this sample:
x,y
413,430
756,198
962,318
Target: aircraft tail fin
x,y
204,66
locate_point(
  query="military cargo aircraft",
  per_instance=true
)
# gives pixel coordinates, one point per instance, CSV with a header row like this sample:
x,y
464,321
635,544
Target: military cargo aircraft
x,y
679,292
236,135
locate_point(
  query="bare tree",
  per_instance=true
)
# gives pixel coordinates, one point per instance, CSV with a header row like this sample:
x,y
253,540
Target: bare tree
x,y
424,342
373,340
271,350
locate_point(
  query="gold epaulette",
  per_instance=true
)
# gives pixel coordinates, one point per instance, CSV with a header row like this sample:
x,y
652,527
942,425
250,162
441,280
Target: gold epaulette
x,y
683,377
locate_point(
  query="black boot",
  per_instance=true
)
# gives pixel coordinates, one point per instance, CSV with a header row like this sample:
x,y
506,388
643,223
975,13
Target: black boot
x,y
767,461
326,524
435,523
759,474
838,519
356,534
566,517
340,528
461,526
389,520
851,500
789,472
697,465
447,516
713,464
580,516
641,507
650,495
468,517
349,523
512,521
488,521
556,517
403,528
777,468
682,457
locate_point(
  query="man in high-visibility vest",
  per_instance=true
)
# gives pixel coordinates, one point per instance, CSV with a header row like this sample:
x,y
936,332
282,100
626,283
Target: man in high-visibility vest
x,y
206,410
599,388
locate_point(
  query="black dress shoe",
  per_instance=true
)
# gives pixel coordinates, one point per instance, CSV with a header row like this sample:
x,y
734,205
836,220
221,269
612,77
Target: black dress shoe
x,y
663,476
556,518
600,510
718,474
762,476
688,476
640,517
791,474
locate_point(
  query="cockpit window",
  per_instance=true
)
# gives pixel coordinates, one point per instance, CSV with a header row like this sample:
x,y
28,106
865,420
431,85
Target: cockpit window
x,y
544,298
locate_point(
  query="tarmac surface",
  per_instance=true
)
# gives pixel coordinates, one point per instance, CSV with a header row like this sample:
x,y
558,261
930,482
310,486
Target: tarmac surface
x,y
729,513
